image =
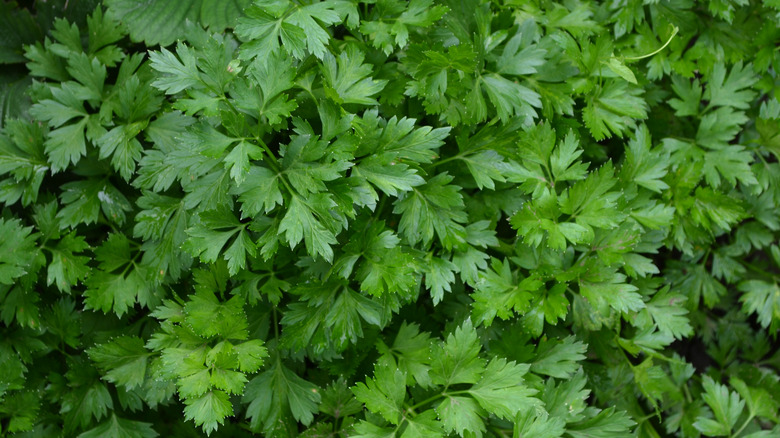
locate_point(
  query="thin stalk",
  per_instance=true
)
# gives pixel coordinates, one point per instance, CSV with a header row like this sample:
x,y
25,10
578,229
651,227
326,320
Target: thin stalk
x,y
636,58
744,425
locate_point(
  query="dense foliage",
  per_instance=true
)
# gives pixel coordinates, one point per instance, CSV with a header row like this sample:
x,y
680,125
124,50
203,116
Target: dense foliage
x,y
381,218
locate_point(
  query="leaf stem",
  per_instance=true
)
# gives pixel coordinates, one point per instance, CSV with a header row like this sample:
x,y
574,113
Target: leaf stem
x,y
276,325
636,58
744,425
756,270
270,154
426,401
458,156
435,397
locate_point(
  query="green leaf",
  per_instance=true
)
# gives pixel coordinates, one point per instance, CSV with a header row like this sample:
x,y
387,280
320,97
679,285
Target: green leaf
x,y
68,266
499,294
501,392
457,360
121,145
17,250
397,140
763,299
423,425
563,161
644,166
250,355
338,401
486,167
609,423
308,163
614,110
712,209
435,207
732,164
86,396
22,30
303,221
383,394
123,361
509,98
330,317
275,394
347,78
211,235
732,90
208,410
260,192
620,69
758,400
439,276
460,415
66,145
365,429
612,292
654,383
179,73
541,426
117,427
108,292
666,309
84,200
718,128
209,317
385,36
411,352
689,93
22,410
160,22
238,160
388,176
520,58
23,158
726,405
591,202
267,22
559,359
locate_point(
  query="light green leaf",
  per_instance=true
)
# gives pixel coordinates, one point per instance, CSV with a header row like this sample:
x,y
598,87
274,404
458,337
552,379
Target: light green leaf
x,y
501,392
383,394
348,78
461,415
209,410
457,360
726,405
621,69
209,317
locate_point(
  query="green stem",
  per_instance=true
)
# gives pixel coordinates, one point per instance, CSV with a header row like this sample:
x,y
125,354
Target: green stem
x,y
744,425
276,325
756,270
426,401
286,184
687,393
505,248
447,160
379,208
435,397
636,58
271,156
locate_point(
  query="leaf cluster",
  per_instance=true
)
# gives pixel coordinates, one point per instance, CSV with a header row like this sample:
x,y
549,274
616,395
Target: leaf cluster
x,y
390,218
